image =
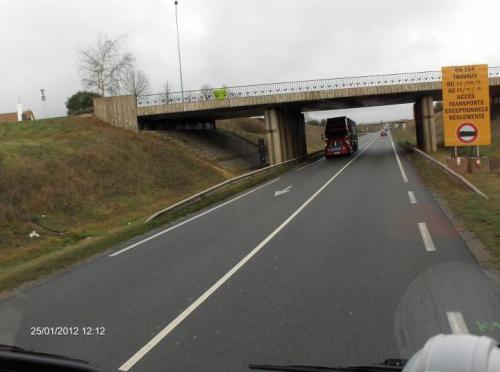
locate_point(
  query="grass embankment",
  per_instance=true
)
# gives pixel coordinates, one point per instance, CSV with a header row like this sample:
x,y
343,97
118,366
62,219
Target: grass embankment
x,y
313,138
479,216
252,129
84,186
248,129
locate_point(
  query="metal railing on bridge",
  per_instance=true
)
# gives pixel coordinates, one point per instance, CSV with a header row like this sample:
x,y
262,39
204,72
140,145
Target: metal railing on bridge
x,y
210,94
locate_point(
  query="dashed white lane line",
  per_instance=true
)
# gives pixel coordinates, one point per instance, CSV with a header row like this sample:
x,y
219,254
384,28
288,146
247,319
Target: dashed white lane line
x,y
403,173
180,318
411,195
426,237
189,220
457,323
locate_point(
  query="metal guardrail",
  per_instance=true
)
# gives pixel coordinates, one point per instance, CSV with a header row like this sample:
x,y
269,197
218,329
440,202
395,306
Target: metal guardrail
x,y
213,94
199,196
448,171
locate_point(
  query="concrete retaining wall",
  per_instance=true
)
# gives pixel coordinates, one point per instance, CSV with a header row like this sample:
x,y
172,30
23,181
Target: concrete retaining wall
x,y
119,111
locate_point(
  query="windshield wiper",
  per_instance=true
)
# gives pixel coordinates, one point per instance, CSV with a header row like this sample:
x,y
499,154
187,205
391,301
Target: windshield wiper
x,y
14,358
17,349
388,365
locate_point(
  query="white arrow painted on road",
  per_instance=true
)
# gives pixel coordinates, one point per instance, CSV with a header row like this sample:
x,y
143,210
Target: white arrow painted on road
x,y
284,191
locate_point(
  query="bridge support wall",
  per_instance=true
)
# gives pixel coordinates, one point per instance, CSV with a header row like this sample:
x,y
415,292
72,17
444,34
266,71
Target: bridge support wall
x,y
423,111
119,111
286,137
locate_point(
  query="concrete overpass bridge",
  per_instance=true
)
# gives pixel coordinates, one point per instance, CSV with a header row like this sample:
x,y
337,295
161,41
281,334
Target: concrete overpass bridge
x,y
283,105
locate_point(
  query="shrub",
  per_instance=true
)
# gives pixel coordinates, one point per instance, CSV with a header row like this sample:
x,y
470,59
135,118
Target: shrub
x,y
80,102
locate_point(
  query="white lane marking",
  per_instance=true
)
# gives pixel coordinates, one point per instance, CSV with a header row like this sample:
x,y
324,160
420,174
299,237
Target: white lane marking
x,y
308,165
189,220
403,173
426,237
457,323
284,191
171,326
411,195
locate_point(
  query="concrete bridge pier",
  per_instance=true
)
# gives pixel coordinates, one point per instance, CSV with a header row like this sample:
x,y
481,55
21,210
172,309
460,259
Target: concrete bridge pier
x,y
286,137
423,111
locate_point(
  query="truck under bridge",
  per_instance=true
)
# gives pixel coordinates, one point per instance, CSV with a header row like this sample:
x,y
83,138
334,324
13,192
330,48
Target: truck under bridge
x,y
283,105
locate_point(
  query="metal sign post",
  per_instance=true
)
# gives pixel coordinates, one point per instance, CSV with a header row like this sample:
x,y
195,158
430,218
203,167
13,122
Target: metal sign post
x,y
262,153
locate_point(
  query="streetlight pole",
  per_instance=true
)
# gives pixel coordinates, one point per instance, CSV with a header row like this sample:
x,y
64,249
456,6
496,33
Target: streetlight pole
x,y
44,100
179,50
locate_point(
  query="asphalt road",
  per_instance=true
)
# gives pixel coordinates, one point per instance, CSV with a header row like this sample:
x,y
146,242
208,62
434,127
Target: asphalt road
x,y
340,268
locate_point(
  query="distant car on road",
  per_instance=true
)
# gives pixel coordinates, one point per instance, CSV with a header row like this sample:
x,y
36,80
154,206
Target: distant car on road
x,y
340,136
383,133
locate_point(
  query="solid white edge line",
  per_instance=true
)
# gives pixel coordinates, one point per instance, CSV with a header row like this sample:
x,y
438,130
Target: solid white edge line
x,y
457,323
411,195
308,165
189,219
426,237
403,173
171,326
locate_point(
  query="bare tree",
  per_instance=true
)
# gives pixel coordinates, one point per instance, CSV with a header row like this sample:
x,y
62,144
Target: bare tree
x,y
206,92
102,65
135,82
167,91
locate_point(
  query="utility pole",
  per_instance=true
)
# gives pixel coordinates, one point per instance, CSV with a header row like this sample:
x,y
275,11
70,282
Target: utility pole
x,y
179,50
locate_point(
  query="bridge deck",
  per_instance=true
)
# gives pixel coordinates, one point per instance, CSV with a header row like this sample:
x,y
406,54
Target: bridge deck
x,y
312,95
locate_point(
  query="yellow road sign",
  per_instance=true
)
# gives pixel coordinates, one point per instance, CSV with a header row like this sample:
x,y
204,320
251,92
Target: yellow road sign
x,y
466,105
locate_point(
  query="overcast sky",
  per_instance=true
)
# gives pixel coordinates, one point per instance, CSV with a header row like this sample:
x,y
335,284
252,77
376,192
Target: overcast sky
x,y
236,42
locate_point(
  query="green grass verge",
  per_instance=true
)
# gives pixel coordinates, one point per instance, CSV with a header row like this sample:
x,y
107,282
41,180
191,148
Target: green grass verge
x,y
53,261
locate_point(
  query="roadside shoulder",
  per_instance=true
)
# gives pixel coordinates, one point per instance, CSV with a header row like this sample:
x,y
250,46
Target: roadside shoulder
x,y
479,251
476,247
